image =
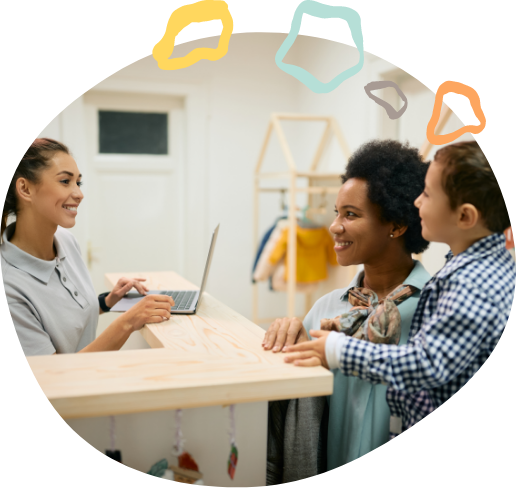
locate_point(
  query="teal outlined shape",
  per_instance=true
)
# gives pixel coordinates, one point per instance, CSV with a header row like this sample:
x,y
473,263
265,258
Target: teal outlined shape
x,y
322,11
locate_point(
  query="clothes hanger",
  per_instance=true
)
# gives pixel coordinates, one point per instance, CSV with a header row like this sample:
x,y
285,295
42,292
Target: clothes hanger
x,y
305,222
322,208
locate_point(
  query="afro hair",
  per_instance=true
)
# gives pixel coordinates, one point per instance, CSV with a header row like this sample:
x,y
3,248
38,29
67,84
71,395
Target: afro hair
x,y
395,175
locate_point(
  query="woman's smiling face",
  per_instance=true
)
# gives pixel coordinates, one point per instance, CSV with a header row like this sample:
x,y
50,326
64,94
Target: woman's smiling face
x,y
57,194
360,236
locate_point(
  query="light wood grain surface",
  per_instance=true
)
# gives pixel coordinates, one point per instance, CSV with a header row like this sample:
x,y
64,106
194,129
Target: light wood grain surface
x,y
105,383
212,358
215,329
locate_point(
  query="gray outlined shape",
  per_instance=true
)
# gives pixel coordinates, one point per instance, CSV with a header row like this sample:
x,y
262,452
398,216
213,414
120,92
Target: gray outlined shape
x,y
376,85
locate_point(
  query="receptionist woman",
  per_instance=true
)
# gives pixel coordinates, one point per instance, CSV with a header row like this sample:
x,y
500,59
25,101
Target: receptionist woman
x,y
49,291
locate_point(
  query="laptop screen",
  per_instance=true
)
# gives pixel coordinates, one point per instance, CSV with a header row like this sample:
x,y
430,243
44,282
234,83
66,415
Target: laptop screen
x,y
208,263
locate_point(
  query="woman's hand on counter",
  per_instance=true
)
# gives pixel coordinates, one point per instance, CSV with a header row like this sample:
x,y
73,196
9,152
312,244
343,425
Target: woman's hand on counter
x,y
283,333
151,309
122,287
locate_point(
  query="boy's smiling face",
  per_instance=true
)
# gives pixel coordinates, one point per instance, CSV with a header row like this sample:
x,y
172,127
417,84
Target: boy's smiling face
x,y
438,220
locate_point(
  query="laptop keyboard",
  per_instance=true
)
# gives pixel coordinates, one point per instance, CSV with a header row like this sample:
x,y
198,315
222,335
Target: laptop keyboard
x,y
182,299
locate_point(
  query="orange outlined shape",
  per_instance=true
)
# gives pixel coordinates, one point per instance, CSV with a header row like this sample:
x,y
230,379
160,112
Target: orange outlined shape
x,y
475,103
203,11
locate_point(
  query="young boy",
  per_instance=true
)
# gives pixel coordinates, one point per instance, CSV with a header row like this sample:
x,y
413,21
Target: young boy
x,y
462,310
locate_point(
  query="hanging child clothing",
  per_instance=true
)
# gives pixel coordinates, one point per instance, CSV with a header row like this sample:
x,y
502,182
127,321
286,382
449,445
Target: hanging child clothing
x,y
263,242
264,270
279,283
314,249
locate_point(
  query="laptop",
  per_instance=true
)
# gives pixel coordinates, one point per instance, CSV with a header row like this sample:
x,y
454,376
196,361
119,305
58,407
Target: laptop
x,y
185,301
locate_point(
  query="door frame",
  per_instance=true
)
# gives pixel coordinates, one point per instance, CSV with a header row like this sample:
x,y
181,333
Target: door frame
x,y
192,167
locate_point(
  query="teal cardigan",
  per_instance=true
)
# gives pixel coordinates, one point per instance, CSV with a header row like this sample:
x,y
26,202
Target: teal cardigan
x,y
358,412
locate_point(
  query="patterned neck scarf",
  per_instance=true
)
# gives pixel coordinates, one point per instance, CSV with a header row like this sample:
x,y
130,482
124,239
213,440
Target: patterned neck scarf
x,y
374,320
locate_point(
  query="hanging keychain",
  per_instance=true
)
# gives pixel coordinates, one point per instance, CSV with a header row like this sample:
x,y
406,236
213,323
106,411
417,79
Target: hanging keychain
x,y
185,460
187,470
234,453
112,452
179,440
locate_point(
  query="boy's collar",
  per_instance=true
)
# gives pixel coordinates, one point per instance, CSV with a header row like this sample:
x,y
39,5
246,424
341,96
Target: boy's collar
x,y
485,246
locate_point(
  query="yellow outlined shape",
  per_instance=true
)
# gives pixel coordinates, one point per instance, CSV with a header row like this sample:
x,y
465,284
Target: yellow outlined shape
x,y
203,11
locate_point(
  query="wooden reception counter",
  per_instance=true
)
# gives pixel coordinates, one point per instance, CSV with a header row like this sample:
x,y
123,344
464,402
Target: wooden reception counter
x,y
212,358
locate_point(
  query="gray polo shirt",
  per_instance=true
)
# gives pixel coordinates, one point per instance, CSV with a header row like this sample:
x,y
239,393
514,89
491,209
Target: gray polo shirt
x,y
53,304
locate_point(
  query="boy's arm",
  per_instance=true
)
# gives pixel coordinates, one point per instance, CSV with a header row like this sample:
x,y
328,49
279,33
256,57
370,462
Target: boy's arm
x,y
465,322
446,344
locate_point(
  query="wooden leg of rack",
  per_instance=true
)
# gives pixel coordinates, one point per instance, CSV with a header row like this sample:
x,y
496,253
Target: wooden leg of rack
x,y
444,118
254,304
291,251
308,303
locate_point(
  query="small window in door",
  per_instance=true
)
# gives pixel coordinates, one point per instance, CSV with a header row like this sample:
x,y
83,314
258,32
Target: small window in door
x,y
132,132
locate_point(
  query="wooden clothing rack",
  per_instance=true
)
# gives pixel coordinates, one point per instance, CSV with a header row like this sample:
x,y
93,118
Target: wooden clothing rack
x,y
445,115
291,175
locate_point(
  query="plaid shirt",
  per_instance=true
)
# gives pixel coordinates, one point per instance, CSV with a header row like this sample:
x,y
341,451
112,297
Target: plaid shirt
x,y
459,319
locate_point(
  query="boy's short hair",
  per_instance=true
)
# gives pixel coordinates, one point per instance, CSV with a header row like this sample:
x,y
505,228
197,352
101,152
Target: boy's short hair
x,y
468,178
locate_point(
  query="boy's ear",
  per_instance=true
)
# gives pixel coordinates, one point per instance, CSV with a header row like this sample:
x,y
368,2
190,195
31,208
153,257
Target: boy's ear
x,y
468,216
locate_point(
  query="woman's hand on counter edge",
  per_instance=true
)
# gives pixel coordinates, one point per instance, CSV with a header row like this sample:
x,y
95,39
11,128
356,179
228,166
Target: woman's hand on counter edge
x,y
151,309
284,332
122,287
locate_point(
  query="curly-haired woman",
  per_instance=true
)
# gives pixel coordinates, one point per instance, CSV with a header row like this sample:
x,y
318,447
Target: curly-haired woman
x,y
378,226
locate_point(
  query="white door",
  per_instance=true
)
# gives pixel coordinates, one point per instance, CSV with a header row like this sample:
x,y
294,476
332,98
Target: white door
x,y
133,185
